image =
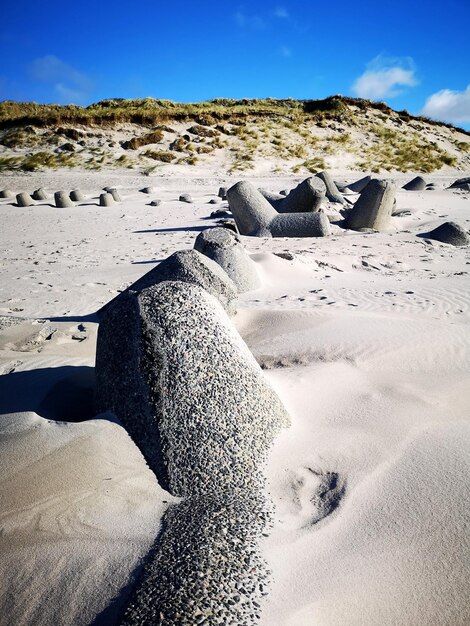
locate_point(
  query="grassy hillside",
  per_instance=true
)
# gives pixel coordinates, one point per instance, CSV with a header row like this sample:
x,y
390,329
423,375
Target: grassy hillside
x,y
235,135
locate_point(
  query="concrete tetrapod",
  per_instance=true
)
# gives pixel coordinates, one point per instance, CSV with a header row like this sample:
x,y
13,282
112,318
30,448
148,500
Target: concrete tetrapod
x,y
374,206
23,199
306,197
449,232
460,183
360,184
332,192
255,216
76,195
62,200
176,373
188,266
225,248
417,184
106,199
40,194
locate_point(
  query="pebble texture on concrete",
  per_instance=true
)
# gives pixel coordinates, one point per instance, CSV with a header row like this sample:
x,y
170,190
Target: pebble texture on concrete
x,y
225,248
174,370
188,266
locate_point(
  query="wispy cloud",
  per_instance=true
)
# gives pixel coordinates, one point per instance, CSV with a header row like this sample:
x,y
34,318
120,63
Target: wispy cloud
x,y
285,51
449,106
245,20
70,85
281,13
384,76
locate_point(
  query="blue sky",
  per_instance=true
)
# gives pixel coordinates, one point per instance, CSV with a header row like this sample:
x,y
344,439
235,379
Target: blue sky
x,y
413,55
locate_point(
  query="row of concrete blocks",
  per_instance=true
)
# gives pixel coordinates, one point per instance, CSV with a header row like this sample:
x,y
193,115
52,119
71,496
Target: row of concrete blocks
x,y
261,214
171,366
218,263
62,199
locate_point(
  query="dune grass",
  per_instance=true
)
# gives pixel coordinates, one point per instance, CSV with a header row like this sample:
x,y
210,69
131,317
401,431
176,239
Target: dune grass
x,y
299,133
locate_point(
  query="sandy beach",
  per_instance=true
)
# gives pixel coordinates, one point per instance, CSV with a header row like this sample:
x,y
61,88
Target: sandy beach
x,y
363,336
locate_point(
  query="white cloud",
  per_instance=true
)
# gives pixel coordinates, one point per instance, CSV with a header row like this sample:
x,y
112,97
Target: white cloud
x,y
281,13
251,21
449,106
69,84
285,51
382,77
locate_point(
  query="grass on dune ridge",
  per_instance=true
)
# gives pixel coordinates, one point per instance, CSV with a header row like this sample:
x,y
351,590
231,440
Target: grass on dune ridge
x,y
301,136
151,111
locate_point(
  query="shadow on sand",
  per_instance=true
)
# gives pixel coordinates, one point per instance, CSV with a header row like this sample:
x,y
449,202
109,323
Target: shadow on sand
x,y
64,394
178,229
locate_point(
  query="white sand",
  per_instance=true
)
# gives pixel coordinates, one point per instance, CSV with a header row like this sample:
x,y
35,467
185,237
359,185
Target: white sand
x,y
366,340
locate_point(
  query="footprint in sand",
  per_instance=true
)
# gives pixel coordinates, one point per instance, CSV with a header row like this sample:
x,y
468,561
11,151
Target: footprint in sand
x,y
315,494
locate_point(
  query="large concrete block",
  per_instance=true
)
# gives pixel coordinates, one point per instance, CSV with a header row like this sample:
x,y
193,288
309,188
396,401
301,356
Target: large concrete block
x,y
173,369
360,184
62,200
450,232
373,208
23,199
40,194
301,225
417,184
252,212
306,197
76,195
225,248
188,266
332,192
255,216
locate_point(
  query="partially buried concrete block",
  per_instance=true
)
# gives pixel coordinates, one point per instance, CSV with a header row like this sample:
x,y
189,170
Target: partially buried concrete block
x,y
450,232
301,225
172,368
271,197
178,376
40,194
373,208
6,193
225,248
185,197
62,200
106,199
461,183
77,196
255,216
114,192
24,199
188,266
360,184
306,197
332,192
417,184
222,193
